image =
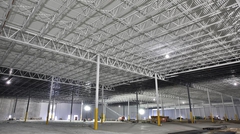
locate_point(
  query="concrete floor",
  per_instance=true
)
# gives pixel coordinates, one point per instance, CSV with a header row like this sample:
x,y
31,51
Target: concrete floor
x,y
63,127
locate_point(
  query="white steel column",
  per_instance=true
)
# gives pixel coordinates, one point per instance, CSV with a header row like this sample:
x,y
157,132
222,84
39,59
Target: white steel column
x,y
210,107
186,113
204,114
128,110
157,99
96,94
81,111
53,102
102,115
50,97
225,115
234,108
175,109
179,108
162,108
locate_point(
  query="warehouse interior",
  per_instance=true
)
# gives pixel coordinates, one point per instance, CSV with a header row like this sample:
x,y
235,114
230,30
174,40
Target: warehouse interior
x,y
119,66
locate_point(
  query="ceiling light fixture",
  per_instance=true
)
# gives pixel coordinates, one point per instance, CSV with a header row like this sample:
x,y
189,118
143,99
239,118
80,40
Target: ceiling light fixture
x,y
235,84
167,56
8,82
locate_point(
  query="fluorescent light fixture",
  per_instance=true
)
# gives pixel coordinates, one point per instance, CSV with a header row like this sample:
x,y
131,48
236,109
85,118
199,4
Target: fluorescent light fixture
x,y
8,82
87,108
141,111
235,84
167,56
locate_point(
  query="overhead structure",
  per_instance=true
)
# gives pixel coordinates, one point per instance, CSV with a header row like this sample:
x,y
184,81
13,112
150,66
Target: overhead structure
x,y
134,41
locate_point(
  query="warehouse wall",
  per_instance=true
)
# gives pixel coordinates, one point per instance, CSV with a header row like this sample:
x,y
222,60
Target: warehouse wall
x,y
7,107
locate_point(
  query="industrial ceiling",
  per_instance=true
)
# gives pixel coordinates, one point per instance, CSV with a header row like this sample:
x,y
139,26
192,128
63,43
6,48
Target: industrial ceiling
x,y
180,41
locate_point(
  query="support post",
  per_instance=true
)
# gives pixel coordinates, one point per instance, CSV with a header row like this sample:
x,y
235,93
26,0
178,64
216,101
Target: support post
x,y
234,108
175,110
50,97
147,111
81,118
204,113
137,105
157,99
128,111
96,94
15,106
26,114
189,101
210,106
225,115
162,104
71,116
53,102
179,109
102,115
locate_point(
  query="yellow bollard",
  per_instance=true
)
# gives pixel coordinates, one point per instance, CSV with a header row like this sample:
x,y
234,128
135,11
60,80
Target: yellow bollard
x,y
236,117
226,118
212,117
96,119
102,118
158,118
191,117
25,119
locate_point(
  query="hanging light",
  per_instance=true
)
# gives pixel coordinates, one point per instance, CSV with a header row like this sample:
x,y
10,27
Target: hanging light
x,y
167,56
235,84
8,82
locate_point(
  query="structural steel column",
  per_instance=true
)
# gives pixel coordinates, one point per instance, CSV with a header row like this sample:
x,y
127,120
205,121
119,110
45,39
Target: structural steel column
x,y
128,110
175,110
102,115
157,99
234,108
210,107
96,94
53,102
26,114
71,116
225,115
204,114
137,105
81,111
179,109
189,101
15,106
185,112
162,104
147,110
50,97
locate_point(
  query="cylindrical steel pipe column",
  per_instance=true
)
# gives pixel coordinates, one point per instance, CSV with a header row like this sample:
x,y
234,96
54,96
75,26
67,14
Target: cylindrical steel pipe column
x,y
210,106
157,99
128,110
189,101
26,114
15,106
50,97
96,94
179,108
175,110
225,115
71,115
81,118
102,115
53,102
137,106
234,108
162,108
204,113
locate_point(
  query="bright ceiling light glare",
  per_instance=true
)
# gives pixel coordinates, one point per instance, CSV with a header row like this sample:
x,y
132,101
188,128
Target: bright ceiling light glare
x,y
235,84
87,108
167,56
141,111
183,102
8,82
119,106
154,99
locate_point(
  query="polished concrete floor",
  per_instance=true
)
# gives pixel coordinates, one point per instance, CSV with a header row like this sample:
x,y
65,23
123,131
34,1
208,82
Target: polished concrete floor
x,y
63,127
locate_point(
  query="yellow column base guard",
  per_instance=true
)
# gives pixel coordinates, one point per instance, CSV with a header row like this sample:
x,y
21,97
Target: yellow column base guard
x,y
96,119
212,117
158,118
26,114
47,118
226,118
104,117
191,117
128,118
236,117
